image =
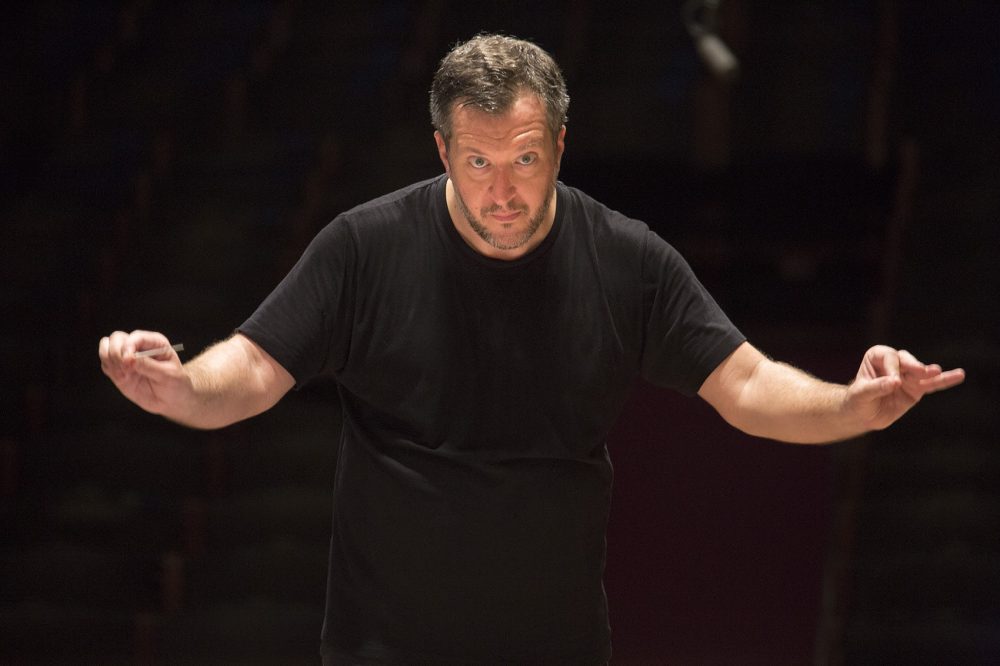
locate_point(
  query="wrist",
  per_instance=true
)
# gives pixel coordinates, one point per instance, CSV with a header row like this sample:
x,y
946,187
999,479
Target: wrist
x,y
856,421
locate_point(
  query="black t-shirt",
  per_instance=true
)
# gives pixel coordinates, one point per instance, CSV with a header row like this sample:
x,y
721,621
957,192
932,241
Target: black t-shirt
x,y
473,483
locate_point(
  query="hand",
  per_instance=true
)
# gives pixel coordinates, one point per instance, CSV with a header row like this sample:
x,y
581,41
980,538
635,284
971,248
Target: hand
x,y
153,382
890,382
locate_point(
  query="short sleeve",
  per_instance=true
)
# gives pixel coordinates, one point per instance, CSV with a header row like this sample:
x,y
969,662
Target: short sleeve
x,y
305,322
687,335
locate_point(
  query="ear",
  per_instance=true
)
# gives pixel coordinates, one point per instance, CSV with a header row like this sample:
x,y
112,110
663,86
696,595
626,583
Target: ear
x,y
442,151
560,146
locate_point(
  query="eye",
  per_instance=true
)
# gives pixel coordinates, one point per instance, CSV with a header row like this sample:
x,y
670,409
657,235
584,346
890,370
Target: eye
x,y
527,158
478,162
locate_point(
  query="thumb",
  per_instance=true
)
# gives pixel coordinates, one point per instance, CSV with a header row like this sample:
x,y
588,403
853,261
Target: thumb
x,y
872,389
152,367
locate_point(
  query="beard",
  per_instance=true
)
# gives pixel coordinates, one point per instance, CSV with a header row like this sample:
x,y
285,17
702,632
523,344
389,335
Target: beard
x,y
507,242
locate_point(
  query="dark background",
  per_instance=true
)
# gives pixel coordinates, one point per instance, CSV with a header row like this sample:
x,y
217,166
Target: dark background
x,y
163,164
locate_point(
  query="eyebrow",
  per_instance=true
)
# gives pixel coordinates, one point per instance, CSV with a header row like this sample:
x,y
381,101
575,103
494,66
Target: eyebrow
x,y
475,149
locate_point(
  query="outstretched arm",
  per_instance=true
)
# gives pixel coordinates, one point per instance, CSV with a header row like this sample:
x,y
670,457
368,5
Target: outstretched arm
x,y
769,399
228,382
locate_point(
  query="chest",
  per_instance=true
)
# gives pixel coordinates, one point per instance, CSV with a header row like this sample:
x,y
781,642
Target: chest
x,y
493,352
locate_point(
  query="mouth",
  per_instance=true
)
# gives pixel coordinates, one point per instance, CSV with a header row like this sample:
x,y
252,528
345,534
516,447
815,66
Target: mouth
x,y
505,217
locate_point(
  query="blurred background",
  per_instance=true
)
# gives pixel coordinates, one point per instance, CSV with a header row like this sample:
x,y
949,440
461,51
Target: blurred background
x,y
162,164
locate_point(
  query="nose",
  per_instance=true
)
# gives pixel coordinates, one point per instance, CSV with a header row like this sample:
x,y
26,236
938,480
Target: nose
x,y
502,187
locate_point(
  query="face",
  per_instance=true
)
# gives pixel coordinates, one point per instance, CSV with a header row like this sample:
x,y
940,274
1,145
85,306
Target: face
x,y
502,171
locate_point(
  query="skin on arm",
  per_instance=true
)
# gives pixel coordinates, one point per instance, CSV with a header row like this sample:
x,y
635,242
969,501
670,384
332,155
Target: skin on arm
x,y
228,382
769,399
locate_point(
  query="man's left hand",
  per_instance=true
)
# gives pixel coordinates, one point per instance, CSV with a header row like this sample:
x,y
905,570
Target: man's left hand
x,y
890,382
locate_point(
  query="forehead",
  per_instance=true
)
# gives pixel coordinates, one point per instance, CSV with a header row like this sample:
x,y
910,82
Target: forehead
x,y
524,121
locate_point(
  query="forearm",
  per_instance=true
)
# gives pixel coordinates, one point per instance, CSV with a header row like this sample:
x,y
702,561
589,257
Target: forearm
x,y
227,383
784,403
774,400
769,399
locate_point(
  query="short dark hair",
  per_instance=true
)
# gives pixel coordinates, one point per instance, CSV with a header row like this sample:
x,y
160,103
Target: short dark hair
x,y
489,72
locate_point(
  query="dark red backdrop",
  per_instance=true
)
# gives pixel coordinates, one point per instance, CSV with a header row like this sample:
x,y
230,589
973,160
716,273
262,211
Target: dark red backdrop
x,y
717,540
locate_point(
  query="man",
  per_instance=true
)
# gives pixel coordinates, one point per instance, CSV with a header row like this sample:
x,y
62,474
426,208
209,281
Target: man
x,y
484,328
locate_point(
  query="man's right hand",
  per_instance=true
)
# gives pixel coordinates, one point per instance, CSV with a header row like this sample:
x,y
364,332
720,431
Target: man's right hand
x,y
230,381
155,383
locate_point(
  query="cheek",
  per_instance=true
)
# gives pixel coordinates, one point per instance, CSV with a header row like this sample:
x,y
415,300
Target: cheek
x,y
535,191
472,195
475,192
468,189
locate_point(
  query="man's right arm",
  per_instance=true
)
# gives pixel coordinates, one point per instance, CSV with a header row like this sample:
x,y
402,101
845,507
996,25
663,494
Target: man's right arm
x,y
228,382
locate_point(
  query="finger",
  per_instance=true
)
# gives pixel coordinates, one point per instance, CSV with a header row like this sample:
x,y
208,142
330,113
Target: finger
x,y
111,356
909,365
159,353
157,365
885,360
116,344
103,352
873,389
932,370
944,380
149,368
140,340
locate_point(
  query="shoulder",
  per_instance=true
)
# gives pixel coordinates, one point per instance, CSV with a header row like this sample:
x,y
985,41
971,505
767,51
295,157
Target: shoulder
x,y
599,218
405,202
615,234
386,218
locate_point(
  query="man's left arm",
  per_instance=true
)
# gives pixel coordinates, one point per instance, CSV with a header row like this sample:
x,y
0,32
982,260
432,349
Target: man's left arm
x,y
769,399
